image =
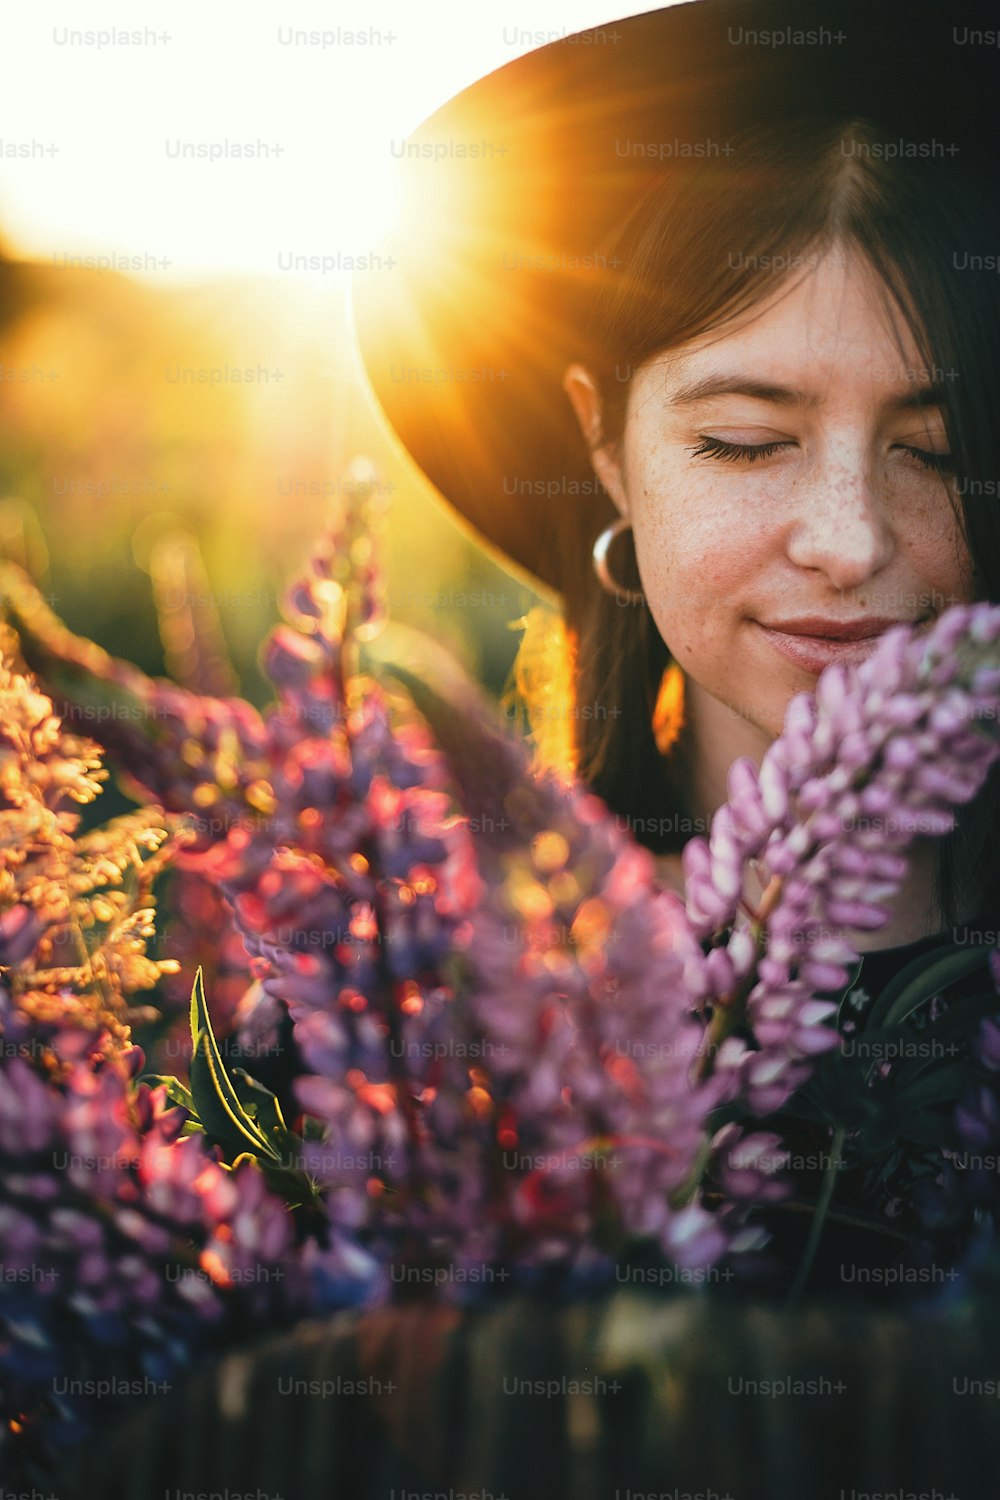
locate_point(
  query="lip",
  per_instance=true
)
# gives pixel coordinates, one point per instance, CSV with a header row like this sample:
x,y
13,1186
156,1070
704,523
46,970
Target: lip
x,y
838,630
813,643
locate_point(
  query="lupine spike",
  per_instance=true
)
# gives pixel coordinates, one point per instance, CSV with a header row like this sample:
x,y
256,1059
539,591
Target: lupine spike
x,y
395,939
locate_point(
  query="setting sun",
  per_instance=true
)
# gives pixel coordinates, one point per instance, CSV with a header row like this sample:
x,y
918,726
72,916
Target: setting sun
x,y
223,140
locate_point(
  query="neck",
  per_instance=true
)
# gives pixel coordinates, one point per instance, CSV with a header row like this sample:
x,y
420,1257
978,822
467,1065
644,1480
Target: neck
x,y
711,738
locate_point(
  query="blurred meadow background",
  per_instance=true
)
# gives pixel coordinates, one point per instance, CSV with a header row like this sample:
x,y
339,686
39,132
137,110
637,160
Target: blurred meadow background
x,y
180,404
135,468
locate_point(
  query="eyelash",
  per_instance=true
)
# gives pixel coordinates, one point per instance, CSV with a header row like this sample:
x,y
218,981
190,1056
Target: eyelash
x,y
710,447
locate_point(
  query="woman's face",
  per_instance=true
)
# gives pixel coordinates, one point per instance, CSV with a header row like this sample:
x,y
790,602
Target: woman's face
x,y
778,469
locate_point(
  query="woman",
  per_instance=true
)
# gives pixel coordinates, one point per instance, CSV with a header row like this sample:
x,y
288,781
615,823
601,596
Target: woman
x,y
742,299
756,250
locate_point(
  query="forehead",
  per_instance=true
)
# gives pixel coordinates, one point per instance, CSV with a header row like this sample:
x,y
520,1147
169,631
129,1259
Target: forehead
x,y
834,325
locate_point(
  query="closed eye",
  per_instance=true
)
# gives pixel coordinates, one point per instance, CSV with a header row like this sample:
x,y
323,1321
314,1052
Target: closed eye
x,y
718,448
711,447
940,463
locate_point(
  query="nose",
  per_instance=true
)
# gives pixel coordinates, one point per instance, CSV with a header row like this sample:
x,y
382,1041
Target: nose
x,y
841,526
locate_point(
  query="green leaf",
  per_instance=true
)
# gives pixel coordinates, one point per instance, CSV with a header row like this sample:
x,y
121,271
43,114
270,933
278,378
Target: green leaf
x,y
215,1097
928,1128
489,766
919,982
837,1094
853,971
922,978
243,1115
293,1182
69,666
941,1086
956,1026
177,1092
802,1107
296,1187
260,1104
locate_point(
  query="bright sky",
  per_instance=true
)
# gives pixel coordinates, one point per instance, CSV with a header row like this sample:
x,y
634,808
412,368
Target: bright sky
x,y
91,131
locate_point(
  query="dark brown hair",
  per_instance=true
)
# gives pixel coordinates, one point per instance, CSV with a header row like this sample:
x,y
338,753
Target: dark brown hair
x,y
706,245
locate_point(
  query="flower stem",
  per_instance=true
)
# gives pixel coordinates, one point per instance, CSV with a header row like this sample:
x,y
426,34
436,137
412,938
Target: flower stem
x,y
683,1195
819,1219
729,1009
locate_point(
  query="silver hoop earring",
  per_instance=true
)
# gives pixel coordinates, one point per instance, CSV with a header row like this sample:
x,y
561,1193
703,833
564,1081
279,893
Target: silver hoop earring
x,y
600,556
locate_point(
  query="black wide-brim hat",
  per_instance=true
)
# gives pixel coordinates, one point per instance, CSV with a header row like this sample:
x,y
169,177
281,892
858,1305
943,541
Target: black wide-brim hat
x,y
477,300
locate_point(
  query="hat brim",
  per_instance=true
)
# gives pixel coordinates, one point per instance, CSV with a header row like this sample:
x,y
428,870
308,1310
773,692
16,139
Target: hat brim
x,y
476,302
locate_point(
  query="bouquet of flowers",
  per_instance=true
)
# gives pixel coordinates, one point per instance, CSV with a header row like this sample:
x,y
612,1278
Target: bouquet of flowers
x,y
487,1044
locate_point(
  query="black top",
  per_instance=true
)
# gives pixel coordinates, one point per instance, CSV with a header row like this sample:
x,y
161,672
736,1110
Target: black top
x,y
878,1240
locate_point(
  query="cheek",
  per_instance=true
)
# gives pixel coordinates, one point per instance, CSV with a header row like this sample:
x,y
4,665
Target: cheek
x,y
931,551
931,539
699,548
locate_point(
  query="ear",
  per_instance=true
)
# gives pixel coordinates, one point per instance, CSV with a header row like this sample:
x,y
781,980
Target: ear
x,y
582,390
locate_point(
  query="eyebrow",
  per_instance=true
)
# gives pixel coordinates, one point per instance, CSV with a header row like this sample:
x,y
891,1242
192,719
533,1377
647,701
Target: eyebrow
x,y
782,395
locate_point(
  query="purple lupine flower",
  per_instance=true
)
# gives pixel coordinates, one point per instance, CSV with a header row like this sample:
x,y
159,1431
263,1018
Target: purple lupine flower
x,y
550,1011
324,824
748,1167
349,892
125,1245
968,1178
838,798
396,939
581,981
412,1131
